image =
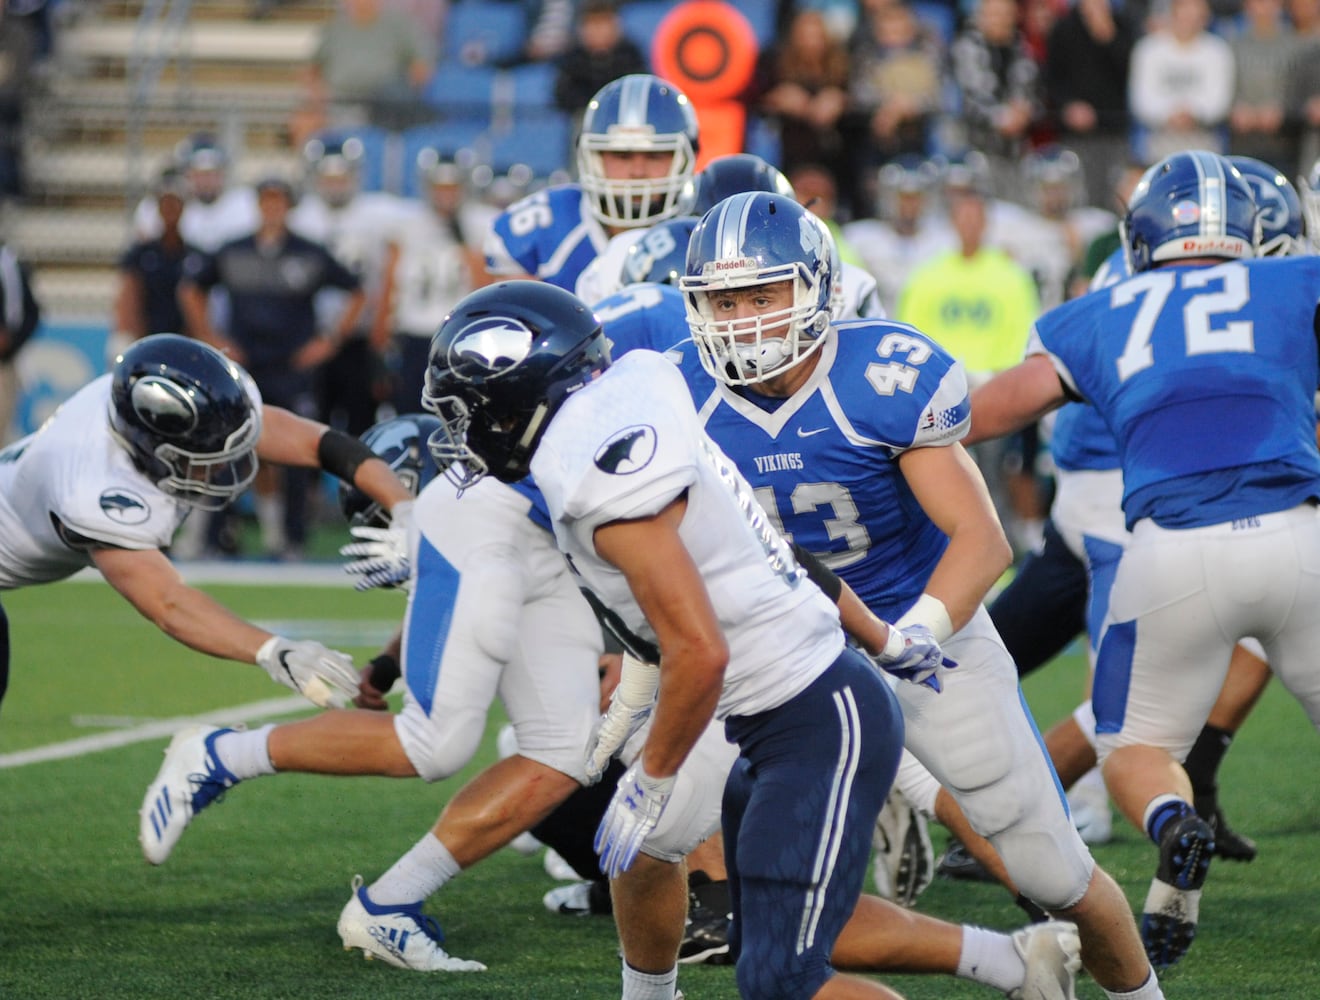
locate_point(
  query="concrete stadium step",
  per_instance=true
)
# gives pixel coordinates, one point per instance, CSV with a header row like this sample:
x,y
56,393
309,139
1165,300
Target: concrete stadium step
x,y
235,42
79,169
59,236
76,293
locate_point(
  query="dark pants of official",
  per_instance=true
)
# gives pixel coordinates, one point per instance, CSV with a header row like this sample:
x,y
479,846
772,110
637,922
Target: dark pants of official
x,y
799,808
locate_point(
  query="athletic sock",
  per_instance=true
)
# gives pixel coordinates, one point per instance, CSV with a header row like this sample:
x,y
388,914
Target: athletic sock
x,y
989,958
424,869
1161,810
1202,766
648,986
1149,990
244,752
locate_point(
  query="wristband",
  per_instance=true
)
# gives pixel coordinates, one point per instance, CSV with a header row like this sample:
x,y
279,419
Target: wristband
x,y
638,682
931,612
340,455
384,672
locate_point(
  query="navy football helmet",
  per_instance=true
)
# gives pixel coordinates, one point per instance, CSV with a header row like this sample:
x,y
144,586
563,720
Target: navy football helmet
x,y
501,365
1279,207
736,173
637,113
750,240
908,174
400,442
189,418
1192,204
660,255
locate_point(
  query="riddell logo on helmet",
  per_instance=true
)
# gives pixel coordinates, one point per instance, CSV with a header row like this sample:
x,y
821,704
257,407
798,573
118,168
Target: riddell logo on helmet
x,y
1212,245
736,264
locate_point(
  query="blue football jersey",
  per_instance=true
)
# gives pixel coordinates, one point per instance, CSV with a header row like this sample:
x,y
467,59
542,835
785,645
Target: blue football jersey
x,y
1207,376
824,463
550,235
644,315
1081,440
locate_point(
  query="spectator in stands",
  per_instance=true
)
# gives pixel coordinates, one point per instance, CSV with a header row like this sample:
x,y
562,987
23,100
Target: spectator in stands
x,y
895,82
997,82
802,83
1181,83
18,49
369,65
551,29
1087,61
1304,108
1263,54
272,278
600,52
1305,18
19,316
147,299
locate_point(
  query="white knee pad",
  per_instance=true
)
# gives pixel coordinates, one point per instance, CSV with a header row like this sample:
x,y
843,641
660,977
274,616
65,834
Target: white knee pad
x,y
1084,716
439,746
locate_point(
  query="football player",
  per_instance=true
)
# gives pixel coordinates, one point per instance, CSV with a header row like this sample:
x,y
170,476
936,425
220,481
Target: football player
x,y
874,411
214,212
636,152
1222,521
109,478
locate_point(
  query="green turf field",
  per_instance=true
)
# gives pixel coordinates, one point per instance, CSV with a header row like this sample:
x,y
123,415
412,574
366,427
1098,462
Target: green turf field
x,y
247,905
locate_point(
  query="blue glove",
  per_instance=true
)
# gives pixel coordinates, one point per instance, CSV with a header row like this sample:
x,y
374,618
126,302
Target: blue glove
x,y
913,654
633,813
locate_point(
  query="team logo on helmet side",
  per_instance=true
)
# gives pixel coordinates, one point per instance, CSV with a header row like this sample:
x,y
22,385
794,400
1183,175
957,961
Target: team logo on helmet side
x,y
124,506
627,451
1186,213
497,344
164,406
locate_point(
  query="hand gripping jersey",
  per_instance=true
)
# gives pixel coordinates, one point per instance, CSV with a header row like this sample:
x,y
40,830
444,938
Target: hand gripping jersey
x,y
70,487
1207,376
627,445
550,235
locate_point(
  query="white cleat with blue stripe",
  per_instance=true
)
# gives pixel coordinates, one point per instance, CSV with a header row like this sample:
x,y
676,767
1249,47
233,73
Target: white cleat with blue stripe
x,y
400,935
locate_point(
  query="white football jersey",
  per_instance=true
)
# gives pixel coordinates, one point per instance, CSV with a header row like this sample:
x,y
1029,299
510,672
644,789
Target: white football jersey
x,y
1048,248
431,274
861,294
626,446
205,226
604,275
357,234
891,257
70,487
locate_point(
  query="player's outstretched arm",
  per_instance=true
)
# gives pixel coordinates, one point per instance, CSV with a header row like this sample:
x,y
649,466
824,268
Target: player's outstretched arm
x,y
151,583
1014,399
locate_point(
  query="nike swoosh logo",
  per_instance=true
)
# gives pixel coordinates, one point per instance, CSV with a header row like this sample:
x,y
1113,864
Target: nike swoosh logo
x,y
806,434
284,662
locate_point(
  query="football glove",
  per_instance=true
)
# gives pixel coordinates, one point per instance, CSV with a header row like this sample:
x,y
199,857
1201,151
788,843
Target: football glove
x,y
381,556
630,706
913,654
639,800
325,677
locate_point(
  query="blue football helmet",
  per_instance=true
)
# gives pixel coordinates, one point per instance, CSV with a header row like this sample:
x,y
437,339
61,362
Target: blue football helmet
x,y
736,173
1279,207
401,443
637,113
189,418
501,364
1192,204
660,255
746,241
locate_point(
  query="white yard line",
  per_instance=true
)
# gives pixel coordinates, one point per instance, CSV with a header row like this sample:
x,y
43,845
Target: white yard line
x,y
155,730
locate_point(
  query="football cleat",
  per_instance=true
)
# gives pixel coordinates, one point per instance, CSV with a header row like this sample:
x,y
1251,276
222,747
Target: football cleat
x,y
706,937
957,863
580,899
1229,844
1168,919
1052,954
191,778
904,858
402,936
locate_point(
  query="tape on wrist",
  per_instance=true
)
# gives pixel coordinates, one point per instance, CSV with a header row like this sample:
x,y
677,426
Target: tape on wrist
x,y
930,612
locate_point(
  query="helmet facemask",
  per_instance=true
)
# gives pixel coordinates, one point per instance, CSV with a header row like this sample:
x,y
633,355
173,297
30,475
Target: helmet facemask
x,y
629,203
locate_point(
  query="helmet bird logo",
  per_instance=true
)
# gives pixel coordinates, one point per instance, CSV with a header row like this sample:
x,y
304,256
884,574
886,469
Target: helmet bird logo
x,y
497,344
164,406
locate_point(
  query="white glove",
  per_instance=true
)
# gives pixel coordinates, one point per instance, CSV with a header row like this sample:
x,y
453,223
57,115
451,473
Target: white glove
x,y
630,707
639,800
325,677
381,556
913,654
